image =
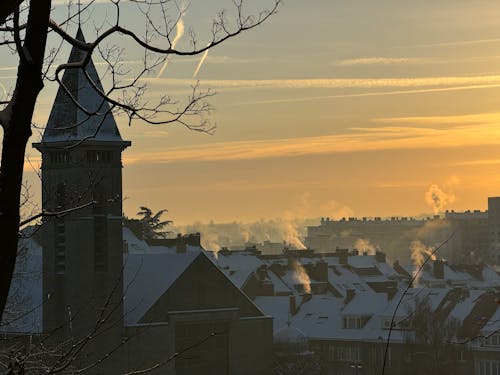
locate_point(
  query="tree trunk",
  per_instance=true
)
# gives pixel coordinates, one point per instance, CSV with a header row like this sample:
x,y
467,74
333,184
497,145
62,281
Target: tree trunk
x,y
16,122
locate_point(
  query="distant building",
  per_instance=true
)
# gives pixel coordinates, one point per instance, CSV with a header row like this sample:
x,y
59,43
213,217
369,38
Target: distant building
x,y
494,228
472,241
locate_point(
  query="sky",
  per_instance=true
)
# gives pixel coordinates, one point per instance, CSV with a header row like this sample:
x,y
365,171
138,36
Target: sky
x,y
331,108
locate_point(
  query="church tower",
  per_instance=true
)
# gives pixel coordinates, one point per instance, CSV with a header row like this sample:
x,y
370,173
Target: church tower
x,y
82,249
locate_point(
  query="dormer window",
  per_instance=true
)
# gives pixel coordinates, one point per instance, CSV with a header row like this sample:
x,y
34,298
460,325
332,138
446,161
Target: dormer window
x,y
354,322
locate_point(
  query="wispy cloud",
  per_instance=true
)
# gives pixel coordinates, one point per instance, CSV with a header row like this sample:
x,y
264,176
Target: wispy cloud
x,y
357,140
339,83
371,93
457,43
475,163
485,118
381,61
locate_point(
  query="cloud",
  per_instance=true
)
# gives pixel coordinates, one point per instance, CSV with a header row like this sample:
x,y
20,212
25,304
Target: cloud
x,y
368,94
456,43
381,61
492,118
473,163
357,140
339,83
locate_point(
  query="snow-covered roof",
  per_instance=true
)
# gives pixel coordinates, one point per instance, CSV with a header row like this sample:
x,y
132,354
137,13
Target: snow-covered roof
x,y
148,275
238,266
149,271
67,122
366,303
464,307
23,313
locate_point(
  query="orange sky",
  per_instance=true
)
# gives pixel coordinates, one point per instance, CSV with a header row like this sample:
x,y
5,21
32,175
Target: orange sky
x,y
331,109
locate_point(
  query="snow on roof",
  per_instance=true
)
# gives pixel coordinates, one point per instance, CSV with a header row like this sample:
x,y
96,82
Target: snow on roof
x,y
361,261
366,303
276,306
490,276
319,317
24,310
342,279
453,275
279,286
464,307
386,269
238,266
149,274
493,324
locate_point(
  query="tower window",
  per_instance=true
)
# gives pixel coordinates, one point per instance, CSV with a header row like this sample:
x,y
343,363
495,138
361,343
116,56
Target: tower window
x,y
99,156
100,243
60,242
59,157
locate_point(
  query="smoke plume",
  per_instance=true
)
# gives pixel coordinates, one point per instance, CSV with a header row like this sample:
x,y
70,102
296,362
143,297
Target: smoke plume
x,y
300,276
419,253
365,246
438,199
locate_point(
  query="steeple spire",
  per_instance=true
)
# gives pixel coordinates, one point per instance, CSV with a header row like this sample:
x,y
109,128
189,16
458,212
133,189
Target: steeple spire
x,y
67,122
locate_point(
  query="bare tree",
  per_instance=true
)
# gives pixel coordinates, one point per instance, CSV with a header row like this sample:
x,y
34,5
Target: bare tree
x,y
26,26
427,343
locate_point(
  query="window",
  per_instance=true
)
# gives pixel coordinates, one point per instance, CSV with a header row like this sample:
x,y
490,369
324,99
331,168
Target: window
x,y
348,354
100,243
493,340
95,157
489,367
59,157
352,322
60,247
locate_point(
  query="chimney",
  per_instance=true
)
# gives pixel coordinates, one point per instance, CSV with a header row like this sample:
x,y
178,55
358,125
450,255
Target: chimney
x,y
349,295
194,239
306,297
343,255
397,267
380,256
292,305
438,269
321,271
180,244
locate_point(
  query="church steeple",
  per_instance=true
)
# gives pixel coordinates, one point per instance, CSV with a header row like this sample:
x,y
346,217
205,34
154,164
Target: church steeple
x,y
67,122
83,250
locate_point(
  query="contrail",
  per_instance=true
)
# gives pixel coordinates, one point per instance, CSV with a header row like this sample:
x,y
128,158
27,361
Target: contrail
x,y
202,60
179,32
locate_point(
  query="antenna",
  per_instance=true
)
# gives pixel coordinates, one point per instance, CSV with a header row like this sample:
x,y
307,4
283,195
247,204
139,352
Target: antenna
x,y
79,13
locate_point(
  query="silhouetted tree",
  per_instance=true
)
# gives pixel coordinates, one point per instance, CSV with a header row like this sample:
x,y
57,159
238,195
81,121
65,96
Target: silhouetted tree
x,y
428,349
150,225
